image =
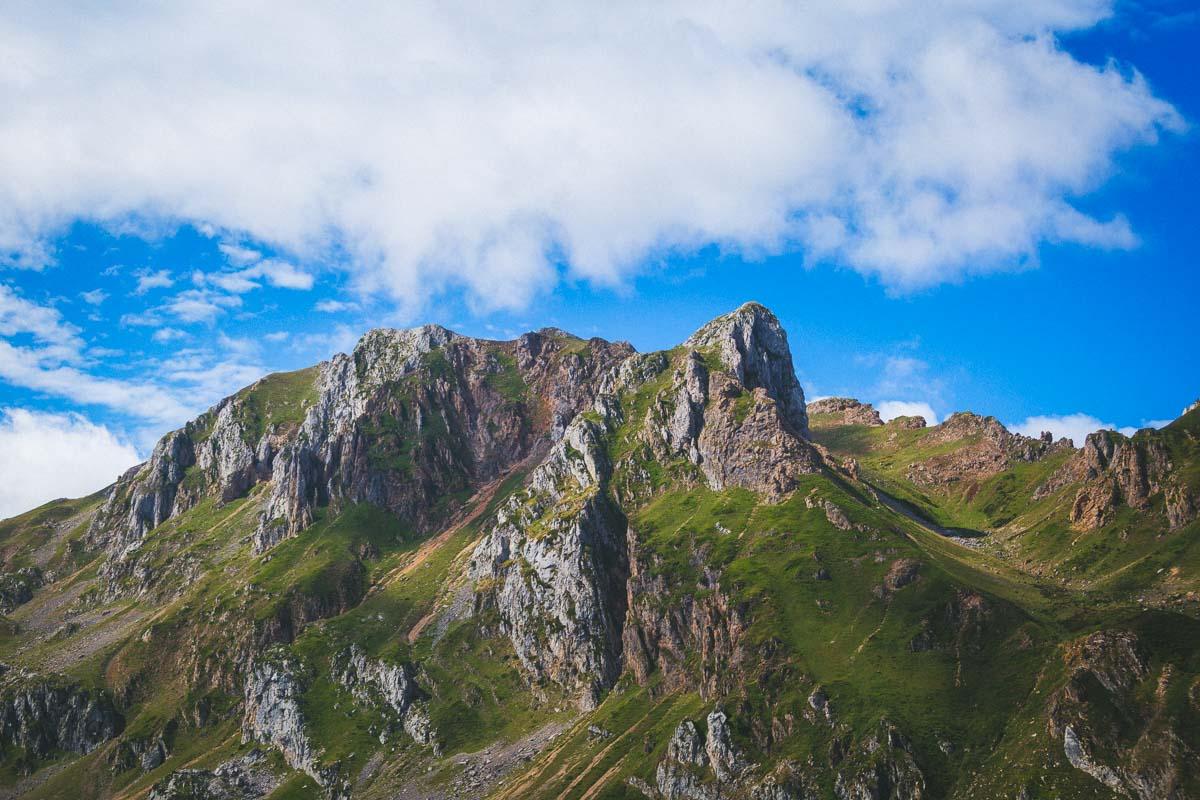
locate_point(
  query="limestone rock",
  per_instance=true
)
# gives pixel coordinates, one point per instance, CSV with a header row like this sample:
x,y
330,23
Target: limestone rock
x,y
272,716
845,411
754,347
554,564
1107,731
881,767
43,715
244,778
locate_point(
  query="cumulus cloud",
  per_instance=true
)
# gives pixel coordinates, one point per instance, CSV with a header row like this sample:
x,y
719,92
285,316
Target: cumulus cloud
x,y
1076,427
890,409
55,455
441,147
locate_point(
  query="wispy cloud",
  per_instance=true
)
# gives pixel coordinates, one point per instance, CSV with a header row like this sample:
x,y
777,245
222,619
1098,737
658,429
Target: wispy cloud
x,y
335,306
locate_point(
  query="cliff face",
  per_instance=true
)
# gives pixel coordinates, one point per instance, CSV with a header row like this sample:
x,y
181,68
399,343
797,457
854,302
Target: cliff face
x,y
445,567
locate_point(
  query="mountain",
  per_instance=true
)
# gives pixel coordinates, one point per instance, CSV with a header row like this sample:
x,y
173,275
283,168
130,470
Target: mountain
x,y
444,567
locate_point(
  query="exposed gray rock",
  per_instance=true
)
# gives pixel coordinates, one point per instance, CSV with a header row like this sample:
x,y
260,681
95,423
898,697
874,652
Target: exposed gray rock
x,y
389,687
724,758
244,778
17,588
682,774
43,715
272,716
554,566
881,767
144,497
1112,728
753,346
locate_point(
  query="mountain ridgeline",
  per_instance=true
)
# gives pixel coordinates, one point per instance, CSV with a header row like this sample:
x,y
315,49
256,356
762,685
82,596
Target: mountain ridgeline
x,y
443,567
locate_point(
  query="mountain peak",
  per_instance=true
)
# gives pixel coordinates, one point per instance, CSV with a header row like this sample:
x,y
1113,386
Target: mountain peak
x,y
752,344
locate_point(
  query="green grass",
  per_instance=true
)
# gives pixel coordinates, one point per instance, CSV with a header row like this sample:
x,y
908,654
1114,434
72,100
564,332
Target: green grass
x,y
281,398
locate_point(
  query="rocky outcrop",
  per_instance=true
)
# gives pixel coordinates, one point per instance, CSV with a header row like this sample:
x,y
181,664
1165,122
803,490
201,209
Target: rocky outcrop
x,y
412,416
731,412
1115,730
144,497
691,636
272,716
143,752
553,566
392,688
753,346
17,588
245,778
881,767
43,715
708,765
844,411
901,573
1117,470
987,448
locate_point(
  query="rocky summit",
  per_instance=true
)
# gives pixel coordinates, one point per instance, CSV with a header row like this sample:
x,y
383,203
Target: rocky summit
x,y
444,567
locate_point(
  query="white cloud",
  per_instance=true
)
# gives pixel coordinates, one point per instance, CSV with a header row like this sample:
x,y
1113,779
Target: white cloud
x,y
153,280
200,305
95,297
439,147
164,335
239,255
44,324
282,274
1076,427
55,455
28,368
334,306
278,273
276,336
890,409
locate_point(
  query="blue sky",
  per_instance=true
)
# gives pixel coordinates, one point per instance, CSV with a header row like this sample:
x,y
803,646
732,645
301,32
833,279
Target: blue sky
x,y
990,210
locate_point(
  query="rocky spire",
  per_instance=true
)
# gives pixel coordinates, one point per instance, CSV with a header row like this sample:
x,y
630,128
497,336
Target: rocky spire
x,y
753,345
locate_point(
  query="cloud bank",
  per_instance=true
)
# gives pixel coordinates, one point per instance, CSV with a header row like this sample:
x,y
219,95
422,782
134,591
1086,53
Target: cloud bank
x,y
37,445
495,150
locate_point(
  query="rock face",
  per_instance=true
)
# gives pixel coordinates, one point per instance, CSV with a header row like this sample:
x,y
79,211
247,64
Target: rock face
x,y
391,687
409,416
708,765
753,346
245,778
696,643
1107,728
553,566
43,715
272,716
1117,470
881,767
988,449
466,412
17,588
845,411
733,408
